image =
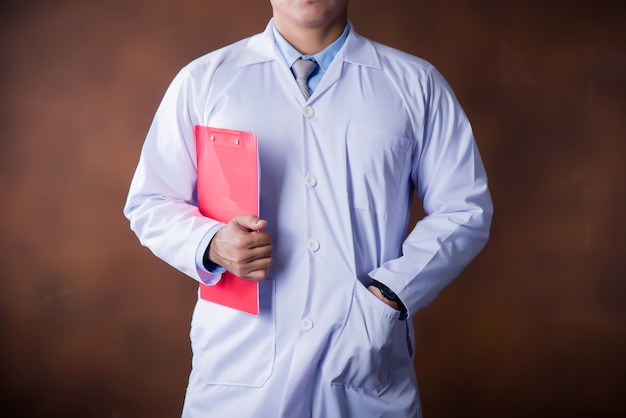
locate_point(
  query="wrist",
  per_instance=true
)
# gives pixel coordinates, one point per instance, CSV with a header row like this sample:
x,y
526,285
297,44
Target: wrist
x,y
390,295
209,264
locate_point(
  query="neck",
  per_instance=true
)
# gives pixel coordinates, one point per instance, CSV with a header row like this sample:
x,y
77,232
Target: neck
x,y
310,40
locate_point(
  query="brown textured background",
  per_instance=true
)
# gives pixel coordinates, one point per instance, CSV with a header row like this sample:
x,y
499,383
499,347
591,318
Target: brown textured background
x,y
92,325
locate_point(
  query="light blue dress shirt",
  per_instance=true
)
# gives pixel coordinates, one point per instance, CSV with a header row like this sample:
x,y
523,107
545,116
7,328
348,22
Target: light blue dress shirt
x,y
323,58
338,172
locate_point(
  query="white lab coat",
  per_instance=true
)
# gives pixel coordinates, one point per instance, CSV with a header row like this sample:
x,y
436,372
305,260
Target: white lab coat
x,y
337,175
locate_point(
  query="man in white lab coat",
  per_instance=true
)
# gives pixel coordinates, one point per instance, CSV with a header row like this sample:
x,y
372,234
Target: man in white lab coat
x,y
339,161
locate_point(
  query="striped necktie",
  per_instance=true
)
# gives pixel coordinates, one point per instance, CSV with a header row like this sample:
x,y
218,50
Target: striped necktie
x,y
303,69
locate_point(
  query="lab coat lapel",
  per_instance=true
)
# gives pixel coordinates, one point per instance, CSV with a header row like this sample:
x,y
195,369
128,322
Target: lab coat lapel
x,y
261,48
358,51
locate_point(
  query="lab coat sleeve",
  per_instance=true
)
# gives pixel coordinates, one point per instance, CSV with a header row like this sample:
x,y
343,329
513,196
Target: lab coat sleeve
x,y
450,180
162,202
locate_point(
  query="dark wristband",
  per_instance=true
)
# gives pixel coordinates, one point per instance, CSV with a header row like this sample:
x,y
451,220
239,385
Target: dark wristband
x,y
390,295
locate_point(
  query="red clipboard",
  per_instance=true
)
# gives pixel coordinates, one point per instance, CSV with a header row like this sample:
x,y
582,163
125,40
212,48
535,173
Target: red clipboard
x,y
228,185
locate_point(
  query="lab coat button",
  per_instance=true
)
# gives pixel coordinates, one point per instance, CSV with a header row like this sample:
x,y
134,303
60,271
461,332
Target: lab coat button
x,y
313,245
306,324
309,112
310,181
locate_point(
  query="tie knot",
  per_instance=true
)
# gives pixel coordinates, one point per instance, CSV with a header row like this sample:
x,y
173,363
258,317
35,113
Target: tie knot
x,y
303,69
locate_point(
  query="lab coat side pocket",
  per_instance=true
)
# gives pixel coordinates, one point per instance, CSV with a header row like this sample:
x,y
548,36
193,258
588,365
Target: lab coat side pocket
x,y
362,356
232,347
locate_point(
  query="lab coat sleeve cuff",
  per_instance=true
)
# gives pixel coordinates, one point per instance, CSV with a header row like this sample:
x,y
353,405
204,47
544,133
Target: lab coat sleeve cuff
x,y
209,275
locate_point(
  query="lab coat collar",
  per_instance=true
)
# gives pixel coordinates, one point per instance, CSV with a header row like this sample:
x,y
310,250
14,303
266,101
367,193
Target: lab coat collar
x,y
360,50
357,49
259,48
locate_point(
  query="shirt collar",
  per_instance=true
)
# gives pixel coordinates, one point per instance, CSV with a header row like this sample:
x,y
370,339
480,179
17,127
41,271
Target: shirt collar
x,y
262,48
323,58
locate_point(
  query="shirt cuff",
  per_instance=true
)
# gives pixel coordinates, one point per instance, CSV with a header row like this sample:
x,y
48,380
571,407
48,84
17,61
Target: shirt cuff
x,y
210,274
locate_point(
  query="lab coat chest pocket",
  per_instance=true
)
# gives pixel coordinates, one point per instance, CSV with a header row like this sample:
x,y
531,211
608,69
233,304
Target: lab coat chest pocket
x,y
371,343
232,347
376,162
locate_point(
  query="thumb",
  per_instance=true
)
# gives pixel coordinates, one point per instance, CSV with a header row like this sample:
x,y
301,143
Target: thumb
x,y
250,222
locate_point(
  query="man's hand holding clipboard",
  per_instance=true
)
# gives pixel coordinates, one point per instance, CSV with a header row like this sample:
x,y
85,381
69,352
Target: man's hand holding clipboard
x,y
243,248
